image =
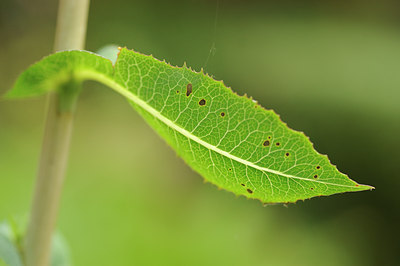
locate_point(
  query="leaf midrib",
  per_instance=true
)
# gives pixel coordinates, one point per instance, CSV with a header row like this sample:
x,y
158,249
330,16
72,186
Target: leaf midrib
x,y
108,81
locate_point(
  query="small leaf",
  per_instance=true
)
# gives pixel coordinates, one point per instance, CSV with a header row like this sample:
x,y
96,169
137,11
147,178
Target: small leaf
x,y
110,52
10,246
9,254
60,254
230,140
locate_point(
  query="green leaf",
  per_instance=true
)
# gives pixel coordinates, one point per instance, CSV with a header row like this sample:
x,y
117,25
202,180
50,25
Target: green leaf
x,y
230,140
60,253
11,247
9,254
57,70
110,52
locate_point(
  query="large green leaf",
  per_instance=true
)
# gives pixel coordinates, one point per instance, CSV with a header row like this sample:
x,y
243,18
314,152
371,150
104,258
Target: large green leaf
x,y
230,140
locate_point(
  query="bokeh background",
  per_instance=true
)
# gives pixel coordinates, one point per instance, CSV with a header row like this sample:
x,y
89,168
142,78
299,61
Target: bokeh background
x,y
329,68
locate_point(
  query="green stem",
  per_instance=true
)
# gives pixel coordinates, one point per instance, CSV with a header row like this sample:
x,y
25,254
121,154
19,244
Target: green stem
x,y
70,34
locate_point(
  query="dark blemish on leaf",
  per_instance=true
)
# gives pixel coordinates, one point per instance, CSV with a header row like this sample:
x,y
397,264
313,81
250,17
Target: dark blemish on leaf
x,y
266,143
315,176
230,169
287,154
357,185
250,191
269,137
318,167
177,91
222,114
189,89
311,188
243,185
277,144
202,102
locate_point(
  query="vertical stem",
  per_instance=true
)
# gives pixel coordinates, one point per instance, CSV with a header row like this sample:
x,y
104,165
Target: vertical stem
x,y
71,25
70,34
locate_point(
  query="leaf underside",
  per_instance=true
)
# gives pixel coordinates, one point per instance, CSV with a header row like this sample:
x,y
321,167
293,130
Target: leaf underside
x,y
230,140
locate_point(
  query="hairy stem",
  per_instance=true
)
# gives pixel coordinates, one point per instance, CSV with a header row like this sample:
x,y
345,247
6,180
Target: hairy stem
x,y
70,34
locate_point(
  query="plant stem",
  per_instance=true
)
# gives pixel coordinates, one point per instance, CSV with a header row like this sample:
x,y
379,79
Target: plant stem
x,y
70,34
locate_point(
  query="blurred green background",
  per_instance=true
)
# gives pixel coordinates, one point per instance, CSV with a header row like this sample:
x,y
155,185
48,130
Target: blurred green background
x,y
329,68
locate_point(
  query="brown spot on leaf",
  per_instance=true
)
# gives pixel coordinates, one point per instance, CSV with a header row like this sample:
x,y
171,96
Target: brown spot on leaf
x,y
278,144
311,188
315,176
177,91
222,114
202,102
230,169
189,89
243,185
287,154
318,167
249,191
266,143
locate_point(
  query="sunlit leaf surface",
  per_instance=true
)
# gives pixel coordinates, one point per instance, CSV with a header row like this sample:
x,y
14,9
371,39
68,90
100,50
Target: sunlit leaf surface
x,y
230,140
